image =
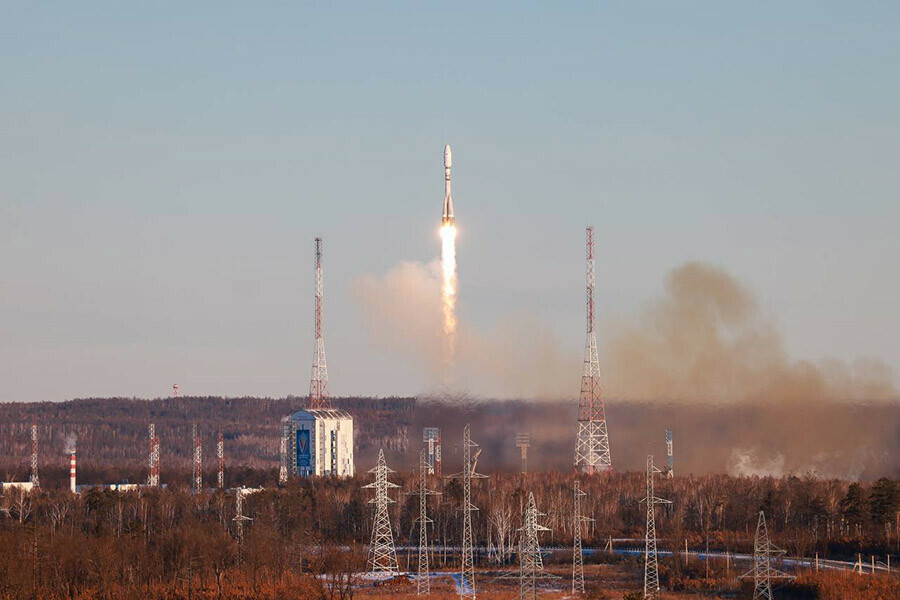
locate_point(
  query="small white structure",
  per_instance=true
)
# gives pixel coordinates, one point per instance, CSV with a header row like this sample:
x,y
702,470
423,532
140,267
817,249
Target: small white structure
x,y
319,442
23,486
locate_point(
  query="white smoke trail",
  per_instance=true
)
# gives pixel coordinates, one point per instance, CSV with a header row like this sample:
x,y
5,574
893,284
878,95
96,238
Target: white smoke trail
x,y
448,287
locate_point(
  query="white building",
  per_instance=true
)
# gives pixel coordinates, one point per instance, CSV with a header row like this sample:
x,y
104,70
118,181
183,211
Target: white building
x,y
319,442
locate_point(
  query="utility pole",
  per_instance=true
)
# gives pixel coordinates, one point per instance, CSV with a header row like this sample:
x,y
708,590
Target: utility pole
x,y
577,556
470,461
423,581
592,444
763,572
531,565
651,559
382,555
523,443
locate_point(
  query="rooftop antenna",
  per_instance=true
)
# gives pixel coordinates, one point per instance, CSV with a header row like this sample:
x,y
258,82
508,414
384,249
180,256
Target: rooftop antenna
x,y
523,442
423,583
382,555
470,461
578,522
651,558
592,444
318,385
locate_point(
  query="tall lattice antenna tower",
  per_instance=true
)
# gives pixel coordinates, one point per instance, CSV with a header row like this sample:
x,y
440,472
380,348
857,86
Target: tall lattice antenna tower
x,y
153,472
220,454
318,384
198,461
592,445
578,521
470,461
35,479
283,450
423,583
670,457
763,572
382,555
523,443
531,565
651,558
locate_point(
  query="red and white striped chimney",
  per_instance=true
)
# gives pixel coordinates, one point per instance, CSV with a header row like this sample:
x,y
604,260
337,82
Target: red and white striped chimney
x,y
72,473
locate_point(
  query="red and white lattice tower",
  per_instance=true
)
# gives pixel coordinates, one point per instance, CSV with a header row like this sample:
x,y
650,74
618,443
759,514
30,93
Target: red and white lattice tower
x,y
318,384
153,476
35,480
220,454
592,445
198,462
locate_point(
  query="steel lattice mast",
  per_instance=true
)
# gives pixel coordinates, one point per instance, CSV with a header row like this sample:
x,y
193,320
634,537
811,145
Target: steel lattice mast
x,y
578,521
239,519
35,479
467,569
531,564
153,475
318,384
198,462
592,445
283,451
220,454
651,558
763,572
382,555
423,581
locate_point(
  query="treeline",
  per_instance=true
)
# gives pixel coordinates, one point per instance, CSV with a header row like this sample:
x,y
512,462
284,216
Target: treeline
x,y
102,544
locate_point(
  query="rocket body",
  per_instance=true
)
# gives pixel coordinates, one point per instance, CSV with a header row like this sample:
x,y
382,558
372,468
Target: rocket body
x,y
447,216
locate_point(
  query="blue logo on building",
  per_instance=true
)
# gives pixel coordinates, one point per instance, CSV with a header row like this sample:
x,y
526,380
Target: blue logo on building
x,y
303,455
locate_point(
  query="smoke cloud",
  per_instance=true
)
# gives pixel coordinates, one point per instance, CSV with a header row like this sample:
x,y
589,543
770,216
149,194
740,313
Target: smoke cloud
x,y
69,443
705,341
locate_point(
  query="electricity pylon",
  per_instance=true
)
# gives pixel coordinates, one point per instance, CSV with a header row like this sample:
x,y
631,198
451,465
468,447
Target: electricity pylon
x,y
153,475
651,562
423,583
467,569
531,564
762,572
382,555
239,519
35,479
577,557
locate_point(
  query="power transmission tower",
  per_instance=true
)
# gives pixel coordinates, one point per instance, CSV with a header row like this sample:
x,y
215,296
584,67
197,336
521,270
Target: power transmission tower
x,y
423,581
592,444
198,461
35,479
467,570
763,572
651,559
531,564
318,384
153,475
577,556
239,519
382,556
523,443
220,454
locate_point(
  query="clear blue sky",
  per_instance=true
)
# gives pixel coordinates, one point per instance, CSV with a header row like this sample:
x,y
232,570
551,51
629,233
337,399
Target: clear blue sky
x,y
164,168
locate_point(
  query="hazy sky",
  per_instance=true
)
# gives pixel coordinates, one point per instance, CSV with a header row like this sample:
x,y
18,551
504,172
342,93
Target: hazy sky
x,y
164,169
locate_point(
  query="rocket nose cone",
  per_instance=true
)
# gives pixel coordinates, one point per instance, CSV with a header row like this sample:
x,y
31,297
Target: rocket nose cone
x,y
448,157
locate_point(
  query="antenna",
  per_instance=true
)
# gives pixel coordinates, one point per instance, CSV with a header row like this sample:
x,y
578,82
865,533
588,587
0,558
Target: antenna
x,y
382,555
318,385
592,444
523,442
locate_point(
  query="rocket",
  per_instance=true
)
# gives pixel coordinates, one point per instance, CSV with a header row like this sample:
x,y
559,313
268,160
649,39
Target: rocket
x,y
447,217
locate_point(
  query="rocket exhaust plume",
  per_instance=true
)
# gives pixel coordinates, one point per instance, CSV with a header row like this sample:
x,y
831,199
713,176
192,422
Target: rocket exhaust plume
x,y
448,261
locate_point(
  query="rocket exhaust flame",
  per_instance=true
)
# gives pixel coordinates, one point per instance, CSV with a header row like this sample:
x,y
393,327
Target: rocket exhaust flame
x,y
448,260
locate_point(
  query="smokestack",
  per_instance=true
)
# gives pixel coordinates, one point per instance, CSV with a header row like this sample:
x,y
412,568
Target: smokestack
x,y
72,473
